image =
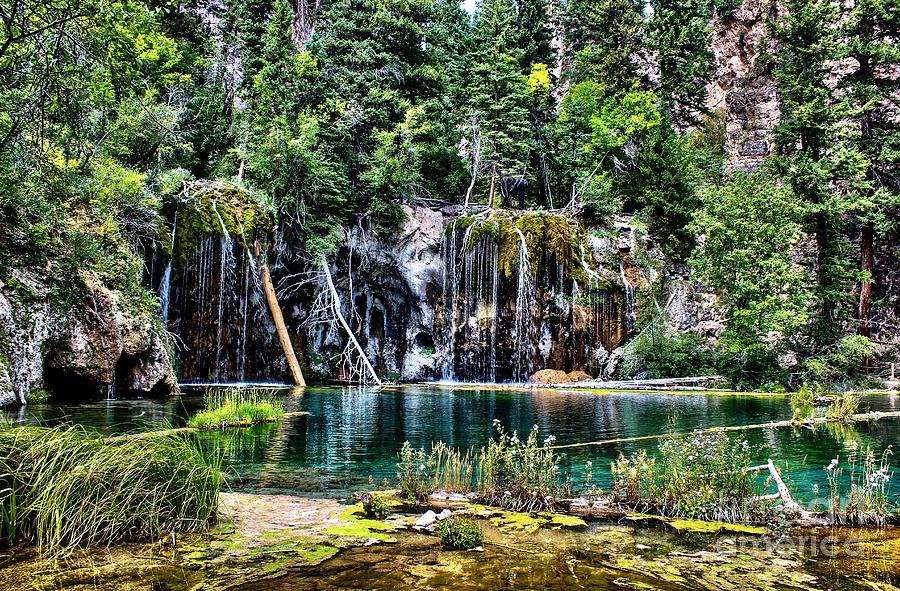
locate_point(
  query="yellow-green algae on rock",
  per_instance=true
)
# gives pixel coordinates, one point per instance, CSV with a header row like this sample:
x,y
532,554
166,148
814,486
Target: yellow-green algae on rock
x,y
360,527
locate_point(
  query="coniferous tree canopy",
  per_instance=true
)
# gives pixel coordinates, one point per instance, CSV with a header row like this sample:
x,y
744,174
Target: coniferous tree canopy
x,y
594,109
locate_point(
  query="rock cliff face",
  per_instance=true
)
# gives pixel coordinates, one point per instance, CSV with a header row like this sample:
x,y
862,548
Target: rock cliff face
x,y
443,300
742,89
86,351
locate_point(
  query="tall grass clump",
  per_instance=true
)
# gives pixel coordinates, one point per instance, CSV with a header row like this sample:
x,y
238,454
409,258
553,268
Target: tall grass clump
x,y
68,487
699,476
520,475
803,404
421,473
868,496
509,473
843,407
237,407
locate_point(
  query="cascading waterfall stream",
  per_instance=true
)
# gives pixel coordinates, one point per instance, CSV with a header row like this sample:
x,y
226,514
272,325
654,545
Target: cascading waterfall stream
x,y
629,296
226,266
526,300
165,285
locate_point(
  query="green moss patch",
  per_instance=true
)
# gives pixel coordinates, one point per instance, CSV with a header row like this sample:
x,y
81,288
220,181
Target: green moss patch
x,y
360,527
698,526
216,209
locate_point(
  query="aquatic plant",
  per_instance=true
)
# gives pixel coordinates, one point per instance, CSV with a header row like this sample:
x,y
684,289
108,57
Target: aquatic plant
x,y
452,470
375,506
634,478
802,403
412,473
69,486
520,475
699,476
843,407
237,407
460,533
867,501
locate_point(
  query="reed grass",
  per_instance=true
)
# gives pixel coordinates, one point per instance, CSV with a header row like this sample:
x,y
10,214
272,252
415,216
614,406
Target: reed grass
x,y
237,407
509,472
843,407
69,487
452,468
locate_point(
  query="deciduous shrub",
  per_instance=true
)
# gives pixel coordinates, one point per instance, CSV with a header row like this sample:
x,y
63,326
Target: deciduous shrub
x,y
460,533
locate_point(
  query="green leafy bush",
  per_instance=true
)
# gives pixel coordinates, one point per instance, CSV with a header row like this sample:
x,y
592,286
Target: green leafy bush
x,y
841,364
664,356
460,533
375,506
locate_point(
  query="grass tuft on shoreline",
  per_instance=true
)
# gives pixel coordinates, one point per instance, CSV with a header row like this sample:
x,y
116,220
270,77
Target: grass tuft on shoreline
x,y
68,487
237,408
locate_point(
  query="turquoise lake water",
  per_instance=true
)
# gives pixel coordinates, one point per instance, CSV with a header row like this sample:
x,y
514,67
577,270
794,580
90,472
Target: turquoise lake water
x,y
352,434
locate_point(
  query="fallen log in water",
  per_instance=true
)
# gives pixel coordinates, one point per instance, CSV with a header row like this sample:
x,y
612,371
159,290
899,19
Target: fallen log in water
x,y
686,383
179,430
866,416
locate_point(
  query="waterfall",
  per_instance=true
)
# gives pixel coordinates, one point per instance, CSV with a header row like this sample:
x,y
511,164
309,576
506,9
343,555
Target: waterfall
x,y
525,332
471,296
508,311
451,283
629,297
165,284
226,267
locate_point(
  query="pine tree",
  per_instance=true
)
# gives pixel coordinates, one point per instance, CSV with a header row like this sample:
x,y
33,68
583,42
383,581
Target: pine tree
x,y
376,64
604,39
868,37
286,156
535,34
499,99
679,37
806,38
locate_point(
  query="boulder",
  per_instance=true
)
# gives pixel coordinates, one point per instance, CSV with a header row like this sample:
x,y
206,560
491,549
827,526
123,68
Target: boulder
x,y
549,376
578,376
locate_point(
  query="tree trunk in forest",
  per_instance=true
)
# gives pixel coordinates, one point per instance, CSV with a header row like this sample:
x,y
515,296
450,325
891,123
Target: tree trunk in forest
x,y
867,266
493,180
280,328
821,246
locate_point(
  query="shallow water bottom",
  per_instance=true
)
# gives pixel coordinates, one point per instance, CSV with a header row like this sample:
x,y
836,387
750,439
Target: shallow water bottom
x,y
610,557
291,543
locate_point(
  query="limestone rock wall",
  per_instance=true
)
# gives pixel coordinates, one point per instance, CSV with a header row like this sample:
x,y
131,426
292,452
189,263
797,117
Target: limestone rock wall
x,y
79,352
743,90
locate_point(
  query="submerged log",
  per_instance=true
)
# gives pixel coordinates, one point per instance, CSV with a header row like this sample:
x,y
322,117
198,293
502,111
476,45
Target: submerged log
x,y
686,383
789,503
280,328
866,416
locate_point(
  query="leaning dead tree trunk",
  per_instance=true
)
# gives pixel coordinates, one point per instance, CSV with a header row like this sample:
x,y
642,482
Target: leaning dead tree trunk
x,y
335,308
280,328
